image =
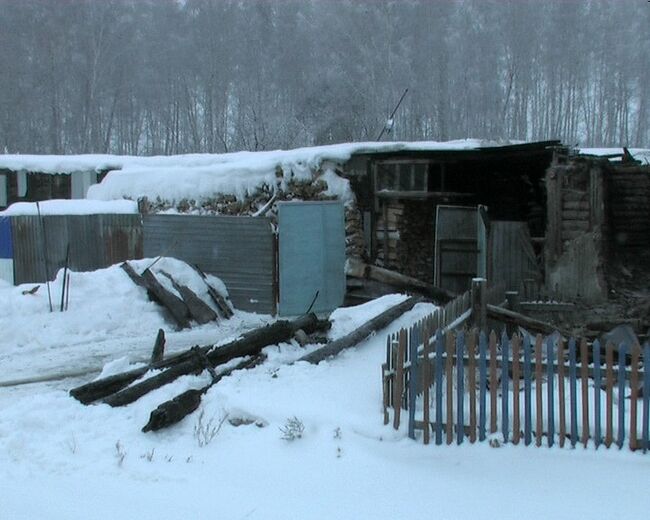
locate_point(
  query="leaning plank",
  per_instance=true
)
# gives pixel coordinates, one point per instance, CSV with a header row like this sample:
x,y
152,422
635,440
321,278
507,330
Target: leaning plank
x,y
199,310
514,318
249,344
218,300
171,302
357,336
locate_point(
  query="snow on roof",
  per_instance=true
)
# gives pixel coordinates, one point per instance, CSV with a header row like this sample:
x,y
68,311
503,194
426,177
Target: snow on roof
x,y
71,207
640,154
195,176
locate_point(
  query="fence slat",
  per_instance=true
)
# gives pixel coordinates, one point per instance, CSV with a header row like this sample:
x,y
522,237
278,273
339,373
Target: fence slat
x,y
528,378
471,352
426,382
645,430
449,372
399,378
516,341
584,375
573,392
560,391
622,353
609,419
595,349
384,386
493,382
539,424
460,390
438,382
505,419
413,378
482,368
634,394
550,392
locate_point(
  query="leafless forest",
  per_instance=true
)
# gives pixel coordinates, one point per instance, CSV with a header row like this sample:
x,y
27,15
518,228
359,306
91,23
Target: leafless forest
x,y
171,76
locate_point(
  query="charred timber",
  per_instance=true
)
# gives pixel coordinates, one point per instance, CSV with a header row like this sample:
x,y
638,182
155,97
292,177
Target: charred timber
x,y
249,344
357,336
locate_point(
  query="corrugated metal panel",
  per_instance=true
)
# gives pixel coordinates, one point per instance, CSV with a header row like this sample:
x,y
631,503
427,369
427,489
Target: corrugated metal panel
x,y
96,241
239,250
312,256
512,256
6,251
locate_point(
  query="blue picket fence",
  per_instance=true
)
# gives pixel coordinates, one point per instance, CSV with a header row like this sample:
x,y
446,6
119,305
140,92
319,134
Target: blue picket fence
x,y
463,386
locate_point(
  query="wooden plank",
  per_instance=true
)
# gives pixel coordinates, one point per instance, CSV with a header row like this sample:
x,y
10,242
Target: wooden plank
x,y
550,392
573,392
595,352
515,389
176,307
622,353
200,311
561,394
460,390
645,427
471,351
634,394
539,423
528,378
449,374
609,370
505,416
493,382
584,377
399,379
384,386
438,382
482,387
413,344
426,383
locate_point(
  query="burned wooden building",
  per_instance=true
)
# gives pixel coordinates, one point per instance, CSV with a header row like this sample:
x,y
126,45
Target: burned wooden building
x,y
444,216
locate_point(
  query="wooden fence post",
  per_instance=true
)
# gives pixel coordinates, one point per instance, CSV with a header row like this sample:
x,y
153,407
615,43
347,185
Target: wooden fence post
x,y
479,303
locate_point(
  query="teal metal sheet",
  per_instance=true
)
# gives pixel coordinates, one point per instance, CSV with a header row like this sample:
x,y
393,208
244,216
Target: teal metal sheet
x,y
311,256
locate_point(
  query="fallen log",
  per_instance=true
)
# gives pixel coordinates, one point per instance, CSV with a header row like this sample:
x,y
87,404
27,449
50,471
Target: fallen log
x,y
249,344
353,338
362,270
531,324
200,311
176,409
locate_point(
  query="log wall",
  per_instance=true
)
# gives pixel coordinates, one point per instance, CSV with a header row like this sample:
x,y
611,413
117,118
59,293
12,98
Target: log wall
x,y
629,207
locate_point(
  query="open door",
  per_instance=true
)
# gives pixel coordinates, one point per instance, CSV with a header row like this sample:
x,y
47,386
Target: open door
x,y
461,246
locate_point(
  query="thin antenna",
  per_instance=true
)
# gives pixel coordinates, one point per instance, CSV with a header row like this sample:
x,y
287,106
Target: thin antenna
x,y
390,118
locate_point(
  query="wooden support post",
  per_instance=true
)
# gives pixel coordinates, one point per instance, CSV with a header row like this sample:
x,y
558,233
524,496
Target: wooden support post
x,y
512,297
479,303
158,348
634,393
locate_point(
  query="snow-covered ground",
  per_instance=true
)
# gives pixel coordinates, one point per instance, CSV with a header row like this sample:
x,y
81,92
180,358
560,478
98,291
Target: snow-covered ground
x,y
60,459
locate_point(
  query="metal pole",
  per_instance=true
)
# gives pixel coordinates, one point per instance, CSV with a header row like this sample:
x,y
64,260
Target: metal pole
x,y
47,269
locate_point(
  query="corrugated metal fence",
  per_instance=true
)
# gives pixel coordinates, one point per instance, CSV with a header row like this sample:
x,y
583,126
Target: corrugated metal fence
x,y
239,250
95,241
